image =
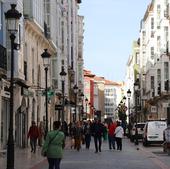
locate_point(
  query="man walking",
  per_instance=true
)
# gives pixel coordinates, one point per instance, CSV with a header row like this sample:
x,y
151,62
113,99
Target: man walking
x,y
33,135
97,132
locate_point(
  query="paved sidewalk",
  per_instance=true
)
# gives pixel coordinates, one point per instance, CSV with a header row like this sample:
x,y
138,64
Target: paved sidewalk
x,y
24,157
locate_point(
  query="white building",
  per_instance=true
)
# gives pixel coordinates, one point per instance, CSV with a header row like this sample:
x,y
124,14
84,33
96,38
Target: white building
x,y
112,95
45,24
154,71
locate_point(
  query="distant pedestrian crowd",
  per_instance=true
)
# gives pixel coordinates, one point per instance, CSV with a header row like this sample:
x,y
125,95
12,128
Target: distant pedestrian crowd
x,y
79,133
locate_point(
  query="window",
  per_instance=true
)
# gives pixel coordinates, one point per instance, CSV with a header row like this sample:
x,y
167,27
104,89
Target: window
x,y
166,33
159,76
152,23
152,34
152,52
166,70
152,82
33,66
158,43
137,58
143,36
158,11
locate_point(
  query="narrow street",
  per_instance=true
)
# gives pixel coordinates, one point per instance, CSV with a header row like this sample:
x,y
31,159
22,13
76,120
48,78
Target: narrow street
x,y
151,157
129,158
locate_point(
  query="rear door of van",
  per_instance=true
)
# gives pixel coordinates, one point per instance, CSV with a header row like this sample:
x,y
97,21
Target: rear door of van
x,y
155,130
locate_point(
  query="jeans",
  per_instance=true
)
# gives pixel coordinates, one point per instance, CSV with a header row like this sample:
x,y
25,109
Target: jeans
x,y
111,142
54,163
98,143
87,140
33,143
119,143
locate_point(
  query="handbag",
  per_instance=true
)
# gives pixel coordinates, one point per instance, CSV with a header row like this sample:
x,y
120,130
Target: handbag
x,y
44,153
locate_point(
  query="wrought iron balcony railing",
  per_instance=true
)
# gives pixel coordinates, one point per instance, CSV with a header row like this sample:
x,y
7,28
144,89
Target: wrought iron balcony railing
x,y
3,58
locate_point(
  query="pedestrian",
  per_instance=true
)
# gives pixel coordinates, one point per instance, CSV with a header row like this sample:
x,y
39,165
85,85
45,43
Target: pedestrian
x,y
119,132
97,132
53,146
41,132
33,135
64,128
72,129
105,132
78,133
111,136
87,133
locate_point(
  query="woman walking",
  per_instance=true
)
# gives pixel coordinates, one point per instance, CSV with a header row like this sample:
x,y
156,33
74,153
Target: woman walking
x,y
53,146
119,135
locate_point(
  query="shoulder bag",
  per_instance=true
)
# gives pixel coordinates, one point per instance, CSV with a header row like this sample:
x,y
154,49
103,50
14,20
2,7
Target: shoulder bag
x,y
44,153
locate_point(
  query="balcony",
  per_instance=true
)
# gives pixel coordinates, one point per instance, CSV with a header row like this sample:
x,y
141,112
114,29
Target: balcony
x,y
3,59
78,1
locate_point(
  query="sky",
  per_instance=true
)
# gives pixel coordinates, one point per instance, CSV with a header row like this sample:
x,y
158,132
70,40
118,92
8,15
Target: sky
x,y
110,27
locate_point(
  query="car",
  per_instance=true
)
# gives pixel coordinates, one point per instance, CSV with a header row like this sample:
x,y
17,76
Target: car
x,y
140,127
153,132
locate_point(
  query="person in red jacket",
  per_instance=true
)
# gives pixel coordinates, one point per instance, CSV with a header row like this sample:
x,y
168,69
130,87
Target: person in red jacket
x,y
33,135
111,137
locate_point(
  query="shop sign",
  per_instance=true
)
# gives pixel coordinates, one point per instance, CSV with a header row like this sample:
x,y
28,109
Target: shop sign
x,y
153,109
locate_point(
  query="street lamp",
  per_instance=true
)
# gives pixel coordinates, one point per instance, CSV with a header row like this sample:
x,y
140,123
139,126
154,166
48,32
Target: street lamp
x,y
46,62
129,95
12,16
82,98
86,100
136,88
124,99
129,126
63,75
75,88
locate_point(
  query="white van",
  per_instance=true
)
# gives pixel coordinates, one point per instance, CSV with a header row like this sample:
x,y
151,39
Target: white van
x,y
153,132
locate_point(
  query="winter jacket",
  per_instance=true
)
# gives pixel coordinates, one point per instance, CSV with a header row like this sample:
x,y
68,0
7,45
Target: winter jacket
x,y
33,132
111,129
119,132
54,148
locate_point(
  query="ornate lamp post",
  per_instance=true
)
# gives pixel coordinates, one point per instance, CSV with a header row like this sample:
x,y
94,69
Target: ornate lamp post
x,y
136,88
86,101
82,110
63,75
75,88
46,62
12,16
129,95
124,99
129,126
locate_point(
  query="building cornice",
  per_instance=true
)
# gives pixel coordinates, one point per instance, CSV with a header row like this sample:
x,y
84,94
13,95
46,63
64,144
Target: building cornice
x,y
33,28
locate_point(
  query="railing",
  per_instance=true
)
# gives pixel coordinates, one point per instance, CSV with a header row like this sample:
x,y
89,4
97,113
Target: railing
x,y
3,58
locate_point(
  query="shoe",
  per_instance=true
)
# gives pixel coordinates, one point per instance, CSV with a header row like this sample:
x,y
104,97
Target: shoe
x,y
31,151
99,150
96,151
